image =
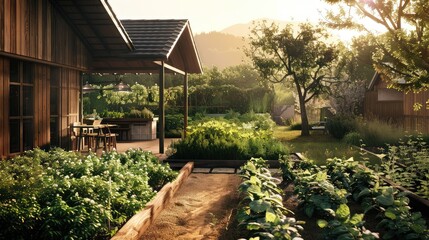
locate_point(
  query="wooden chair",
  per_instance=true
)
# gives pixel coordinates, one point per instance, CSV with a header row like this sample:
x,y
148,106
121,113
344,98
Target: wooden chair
x,y
106,138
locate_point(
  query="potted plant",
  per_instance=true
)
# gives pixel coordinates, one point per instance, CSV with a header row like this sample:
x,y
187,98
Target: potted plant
x,y
93,118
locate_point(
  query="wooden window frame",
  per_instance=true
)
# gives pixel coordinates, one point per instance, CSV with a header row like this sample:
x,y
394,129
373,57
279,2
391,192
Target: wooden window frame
x,y
21,117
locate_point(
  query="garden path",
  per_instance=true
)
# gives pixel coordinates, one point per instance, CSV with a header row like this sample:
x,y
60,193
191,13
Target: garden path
x,y
201,209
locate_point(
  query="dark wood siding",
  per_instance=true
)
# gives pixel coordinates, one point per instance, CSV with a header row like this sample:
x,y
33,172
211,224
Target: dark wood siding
x,y
34,29
416,120
4,107
390,111
69,104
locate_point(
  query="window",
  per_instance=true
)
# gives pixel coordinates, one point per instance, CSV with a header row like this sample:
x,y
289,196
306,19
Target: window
x,y
21,106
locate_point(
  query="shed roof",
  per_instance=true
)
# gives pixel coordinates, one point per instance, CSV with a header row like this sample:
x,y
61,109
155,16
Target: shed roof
x,y
130,45
170,41
96,24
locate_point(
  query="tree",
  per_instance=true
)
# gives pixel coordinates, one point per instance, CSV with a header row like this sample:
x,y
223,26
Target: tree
x,y
405,43
301,59
347,96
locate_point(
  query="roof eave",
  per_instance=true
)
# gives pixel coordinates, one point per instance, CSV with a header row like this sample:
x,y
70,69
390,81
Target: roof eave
x,y
118,25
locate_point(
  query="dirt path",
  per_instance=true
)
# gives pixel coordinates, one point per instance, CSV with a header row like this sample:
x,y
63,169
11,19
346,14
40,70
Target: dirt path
x,y
201,209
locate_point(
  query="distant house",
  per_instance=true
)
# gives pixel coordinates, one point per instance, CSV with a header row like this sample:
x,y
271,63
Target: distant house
x,y
396,107
46,45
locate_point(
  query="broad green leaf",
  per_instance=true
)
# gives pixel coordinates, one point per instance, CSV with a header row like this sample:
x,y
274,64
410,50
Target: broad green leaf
x,y
356,219
322,223
390,215
343,211
259,205
418,228
254,180
253,226
364,192
385,200
270,216
309,210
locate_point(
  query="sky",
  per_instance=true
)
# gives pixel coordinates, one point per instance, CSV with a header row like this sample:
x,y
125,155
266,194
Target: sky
x,y
216,15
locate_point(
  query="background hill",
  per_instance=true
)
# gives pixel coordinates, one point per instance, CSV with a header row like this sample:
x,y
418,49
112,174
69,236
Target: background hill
x,y
226,48
220,50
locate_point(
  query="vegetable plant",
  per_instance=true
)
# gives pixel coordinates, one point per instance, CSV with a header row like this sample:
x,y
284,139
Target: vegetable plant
x,y
60,194
262,211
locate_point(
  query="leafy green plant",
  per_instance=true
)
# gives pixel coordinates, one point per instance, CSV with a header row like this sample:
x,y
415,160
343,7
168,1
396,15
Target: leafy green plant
x,y
339,126
397,219
344,226
263,212
407,164
353,138
144,113
317,194
221,139
59,194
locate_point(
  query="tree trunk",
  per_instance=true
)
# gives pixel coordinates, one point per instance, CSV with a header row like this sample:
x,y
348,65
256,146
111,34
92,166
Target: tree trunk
x,y
304,119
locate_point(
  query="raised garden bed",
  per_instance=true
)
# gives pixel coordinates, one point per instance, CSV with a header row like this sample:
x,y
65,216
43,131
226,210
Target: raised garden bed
x,y
137,225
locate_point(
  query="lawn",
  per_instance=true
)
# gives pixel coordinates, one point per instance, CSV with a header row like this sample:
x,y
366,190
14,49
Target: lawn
x,y
318,146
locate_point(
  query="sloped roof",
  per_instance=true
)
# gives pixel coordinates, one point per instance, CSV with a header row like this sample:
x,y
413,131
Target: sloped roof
x,y
154,38
170,41
96,24
130,45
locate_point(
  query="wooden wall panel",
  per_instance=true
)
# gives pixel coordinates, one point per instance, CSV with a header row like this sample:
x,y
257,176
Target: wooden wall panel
x,y
2,103
4,107
69,110
33,28
42,105
391,111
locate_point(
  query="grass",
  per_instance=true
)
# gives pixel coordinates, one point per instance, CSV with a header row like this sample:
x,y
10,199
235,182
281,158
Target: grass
x,y
318,146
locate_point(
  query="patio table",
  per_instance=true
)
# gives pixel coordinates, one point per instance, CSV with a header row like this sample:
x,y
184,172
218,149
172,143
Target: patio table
x,y
98,129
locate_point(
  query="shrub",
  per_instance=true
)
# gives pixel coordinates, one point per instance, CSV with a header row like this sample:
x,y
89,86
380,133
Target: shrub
x,y
259,121
174,125
135,113
221,139
59,194
339,126
352,138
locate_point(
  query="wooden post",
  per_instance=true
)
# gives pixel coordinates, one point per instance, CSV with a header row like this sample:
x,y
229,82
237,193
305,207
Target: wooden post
x,y
81,98
161,108
186,112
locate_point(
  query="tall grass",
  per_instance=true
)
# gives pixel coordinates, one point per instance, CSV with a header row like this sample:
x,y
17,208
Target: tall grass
x,y
318,147
376,133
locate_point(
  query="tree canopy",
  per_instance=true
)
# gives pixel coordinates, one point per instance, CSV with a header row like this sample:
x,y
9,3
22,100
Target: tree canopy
x,y
301,59
403,50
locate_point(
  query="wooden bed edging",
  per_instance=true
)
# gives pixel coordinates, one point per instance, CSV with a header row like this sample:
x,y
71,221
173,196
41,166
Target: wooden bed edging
x,y
139,223
214,163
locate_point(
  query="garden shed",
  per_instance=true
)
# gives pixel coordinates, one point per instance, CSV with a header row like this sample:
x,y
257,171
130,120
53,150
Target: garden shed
x,y
46,46
394,106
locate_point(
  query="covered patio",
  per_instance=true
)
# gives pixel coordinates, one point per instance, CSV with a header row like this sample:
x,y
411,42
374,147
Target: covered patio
x,y
139,46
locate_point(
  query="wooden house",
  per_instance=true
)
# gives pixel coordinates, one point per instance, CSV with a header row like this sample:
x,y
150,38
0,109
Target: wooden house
x,y
46,46
397,107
